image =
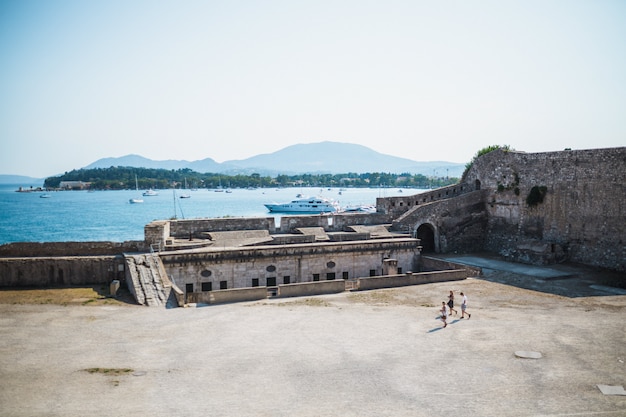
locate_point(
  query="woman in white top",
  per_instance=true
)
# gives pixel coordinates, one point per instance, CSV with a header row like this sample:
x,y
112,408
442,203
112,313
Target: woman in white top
x,y
444,313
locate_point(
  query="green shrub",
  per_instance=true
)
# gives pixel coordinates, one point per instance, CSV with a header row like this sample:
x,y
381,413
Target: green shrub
x,y
482,152
536,195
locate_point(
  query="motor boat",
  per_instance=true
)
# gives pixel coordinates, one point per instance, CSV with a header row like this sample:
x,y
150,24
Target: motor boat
x,y
360,209
305,205
150,193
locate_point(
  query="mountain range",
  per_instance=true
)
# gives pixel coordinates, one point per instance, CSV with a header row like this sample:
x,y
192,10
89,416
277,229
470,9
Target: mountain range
x,y
312,158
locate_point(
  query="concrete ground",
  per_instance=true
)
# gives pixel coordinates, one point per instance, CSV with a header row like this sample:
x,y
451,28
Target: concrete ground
x,y
375,353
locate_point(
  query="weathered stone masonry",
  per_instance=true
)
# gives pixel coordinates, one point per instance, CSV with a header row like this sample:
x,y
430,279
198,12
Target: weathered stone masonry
x,y
581,216
287,264
534,208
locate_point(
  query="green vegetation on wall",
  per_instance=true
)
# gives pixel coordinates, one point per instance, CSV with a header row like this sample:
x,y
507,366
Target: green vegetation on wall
x,y
536,195
482,152
512,186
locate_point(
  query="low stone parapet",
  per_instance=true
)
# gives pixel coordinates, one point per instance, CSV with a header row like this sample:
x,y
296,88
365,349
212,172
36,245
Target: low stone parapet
x,y
390,281
311,288
428,263
234,295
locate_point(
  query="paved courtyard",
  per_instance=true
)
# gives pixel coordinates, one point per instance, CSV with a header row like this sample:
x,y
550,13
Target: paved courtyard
x,y
375,353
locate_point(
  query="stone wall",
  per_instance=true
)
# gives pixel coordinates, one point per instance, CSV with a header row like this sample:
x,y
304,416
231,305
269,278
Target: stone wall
x,y
262,265
537,208
307,289
459,224
396,206
235,295
60,271
582,217
428,263
391,281
158,232
28,249
195,227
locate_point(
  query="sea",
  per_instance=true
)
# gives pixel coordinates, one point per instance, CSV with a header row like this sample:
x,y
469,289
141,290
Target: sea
x,y
83,216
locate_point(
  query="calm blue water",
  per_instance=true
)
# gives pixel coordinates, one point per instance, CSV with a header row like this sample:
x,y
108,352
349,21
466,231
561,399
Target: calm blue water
x,y
108,216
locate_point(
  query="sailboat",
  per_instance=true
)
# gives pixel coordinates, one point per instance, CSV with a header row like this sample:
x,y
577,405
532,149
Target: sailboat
x,y
136,200
185,195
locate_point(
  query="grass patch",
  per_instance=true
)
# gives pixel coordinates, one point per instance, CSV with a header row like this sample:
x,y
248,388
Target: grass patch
x,y
109,371
95,295
315,302
311,302
374,297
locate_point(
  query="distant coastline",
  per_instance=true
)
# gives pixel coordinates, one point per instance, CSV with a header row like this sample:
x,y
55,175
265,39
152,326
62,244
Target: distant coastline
x,y
32,189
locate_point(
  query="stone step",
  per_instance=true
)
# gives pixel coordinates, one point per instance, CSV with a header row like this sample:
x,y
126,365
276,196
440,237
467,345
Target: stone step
x,y
146,275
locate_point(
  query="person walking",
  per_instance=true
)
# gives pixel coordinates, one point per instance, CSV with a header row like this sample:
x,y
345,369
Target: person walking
x,y
444,314
464,307
451,303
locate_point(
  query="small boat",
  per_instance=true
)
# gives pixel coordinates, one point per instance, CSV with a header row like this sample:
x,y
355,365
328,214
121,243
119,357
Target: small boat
x,y
366,208
150,193
136,200
45,195
305,205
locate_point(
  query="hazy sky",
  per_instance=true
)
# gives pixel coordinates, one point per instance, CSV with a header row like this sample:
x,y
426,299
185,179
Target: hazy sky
x,y
426,80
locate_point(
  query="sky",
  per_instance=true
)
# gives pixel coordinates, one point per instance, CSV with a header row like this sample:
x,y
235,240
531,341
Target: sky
x,y
188,80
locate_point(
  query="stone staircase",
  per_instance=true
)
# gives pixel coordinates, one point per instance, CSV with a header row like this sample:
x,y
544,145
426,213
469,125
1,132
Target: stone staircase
x,y
147,280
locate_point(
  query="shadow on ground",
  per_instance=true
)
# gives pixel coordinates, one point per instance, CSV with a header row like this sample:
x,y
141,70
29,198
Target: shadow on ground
x,y
567,280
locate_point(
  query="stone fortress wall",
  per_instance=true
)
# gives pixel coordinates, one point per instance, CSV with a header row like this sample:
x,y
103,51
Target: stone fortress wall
x,y
288,264
535,208
576,213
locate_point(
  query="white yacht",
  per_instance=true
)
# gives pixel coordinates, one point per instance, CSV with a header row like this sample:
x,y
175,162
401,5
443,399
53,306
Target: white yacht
x,y
305,205
150,193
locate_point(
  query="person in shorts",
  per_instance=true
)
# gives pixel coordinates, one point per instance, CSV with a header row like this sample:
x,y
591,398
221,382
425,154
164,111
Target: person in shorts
x,y
451,303
464,307
444,314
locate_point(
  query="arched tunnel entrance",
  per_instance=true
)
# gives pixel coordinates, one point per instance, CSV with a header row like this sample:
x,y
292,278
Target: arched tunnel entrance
x,y
426,234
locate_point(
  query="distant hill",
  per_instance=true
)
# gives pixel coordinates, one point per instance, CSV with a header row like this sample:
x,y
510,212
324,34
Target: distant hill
x,y
20,180
313,158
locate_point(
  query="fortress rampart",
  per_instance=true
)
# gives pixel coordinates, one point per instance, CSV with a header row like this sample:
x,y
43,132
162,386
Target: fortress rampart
x,y
158,232
536,208
555,206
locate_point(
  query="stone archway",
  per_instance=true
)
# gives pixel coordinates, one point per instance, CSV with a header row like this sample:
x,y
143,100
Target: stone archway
x,y
426,234
477,185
